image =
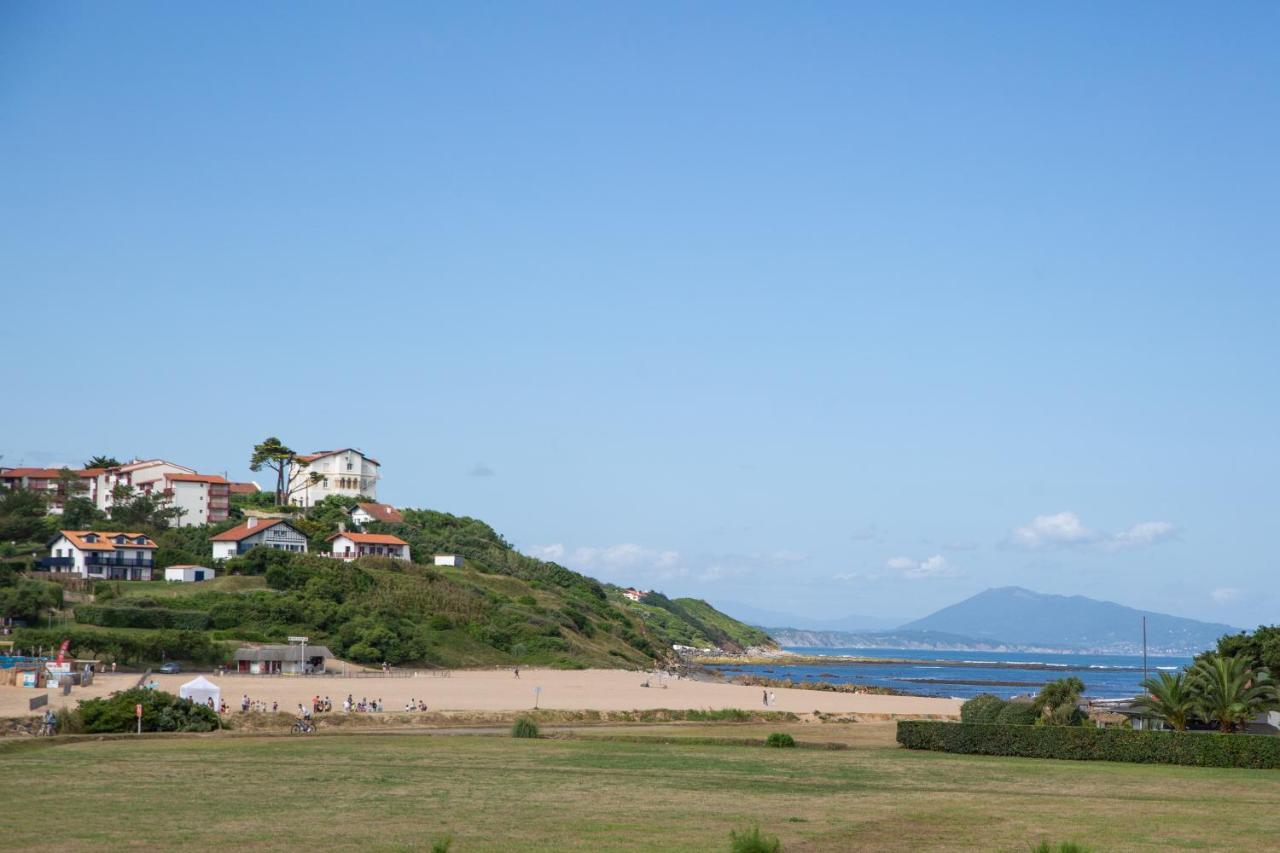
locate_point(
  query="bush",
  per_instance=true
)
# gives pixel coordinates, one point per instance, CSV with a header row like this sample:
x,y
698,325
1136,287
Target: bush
x,y
781,740
1064,847
161,712
981,709
1016,714
1075,743
752,841
524,727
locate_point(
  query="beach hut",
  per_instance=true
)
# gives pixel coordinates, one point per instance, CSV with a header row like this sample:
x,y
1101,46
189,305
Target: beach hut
x,y
200,690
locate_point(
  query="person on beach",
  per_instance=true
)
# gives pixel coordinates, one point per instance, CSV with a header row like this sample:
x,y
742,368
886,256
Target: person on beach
x,y
773,697
766,697
517,672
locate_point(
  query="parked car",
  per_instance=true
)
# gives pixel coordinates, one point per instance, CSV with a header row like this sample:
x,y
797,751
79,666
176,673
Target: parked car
x,y
170,667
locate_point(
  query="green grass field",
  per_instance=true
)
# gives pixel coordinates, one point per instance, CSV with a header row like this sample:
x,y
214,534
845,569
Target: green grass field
x,y
402,791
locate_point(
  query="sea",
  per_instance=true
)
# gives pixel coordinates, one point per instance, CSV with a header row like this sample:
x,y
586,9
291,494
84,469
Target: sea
x,y
964,674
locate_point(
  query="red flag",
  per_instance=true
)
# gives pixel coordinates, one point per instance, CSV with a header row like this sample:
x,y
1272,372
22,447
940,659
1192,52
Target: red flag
x,y
62,651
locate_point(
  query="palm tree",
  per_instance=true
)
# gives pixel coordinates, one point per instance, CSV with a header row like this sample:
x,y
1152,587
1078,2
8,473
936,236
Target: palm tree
x,y
1229,692
101,461
1056,702
1171,698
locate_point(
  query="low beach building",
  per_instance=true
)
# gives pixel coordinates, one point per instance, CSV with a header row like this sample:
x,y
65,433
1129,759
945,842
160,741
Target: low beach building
x,y
254,532
281,660
454,560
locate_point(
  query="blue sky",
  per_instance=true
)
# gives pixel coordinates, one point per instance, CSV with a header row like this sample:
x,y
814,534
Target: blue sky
x,y
817,308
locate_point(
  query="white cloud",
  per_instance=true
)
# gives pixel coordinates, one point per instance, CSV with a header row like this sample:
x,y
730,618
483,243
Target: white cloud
x,y
554,553
1143,534
1226,594
930,567
1066,530
1059,530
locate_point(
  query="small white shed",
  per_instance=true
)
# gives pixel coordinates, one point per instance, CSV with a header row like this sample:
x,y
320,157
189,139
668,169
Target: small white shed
x,y
188,574
200,690
448,559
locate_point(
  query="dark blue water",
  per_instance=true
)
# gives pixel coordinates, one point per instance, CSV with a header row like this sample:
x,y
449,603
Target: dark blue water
x,y
933,673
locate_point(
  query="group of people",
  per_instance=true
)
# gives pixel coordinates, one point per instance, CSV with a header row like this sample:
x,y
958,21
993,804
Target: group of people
x,y
256,705
769,698
415,705
373,706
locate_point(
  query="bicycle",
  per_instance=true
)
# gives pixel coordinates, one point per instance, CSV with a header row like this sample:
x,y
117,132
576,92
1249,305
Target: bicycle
x,y
302,728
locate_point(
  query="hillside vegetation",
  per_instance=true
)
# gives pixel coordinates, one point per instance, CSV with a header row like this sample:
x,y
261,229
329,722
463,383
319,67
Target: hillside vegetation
x,y
502,607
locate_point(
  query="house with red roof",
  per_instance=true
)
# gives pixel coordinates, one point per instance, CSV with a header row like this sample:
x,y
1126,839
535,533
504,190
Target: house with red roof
x,y
348,472
367,512
348,545
103,554
255,532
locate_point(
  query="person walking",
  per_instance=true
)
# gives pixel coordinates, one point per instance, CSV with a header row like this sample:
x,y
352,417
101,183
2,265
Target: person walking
x,y
766,697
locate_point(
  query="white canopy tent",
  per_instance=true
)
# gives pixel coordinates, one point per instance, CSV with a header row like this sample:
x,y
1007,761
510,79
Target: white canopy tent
x,y
201,690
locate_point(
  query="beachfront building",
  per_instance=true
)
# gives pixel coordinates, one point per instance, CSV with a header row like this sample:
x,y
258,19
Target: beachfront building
x,y
281,660
367,512
188,574
100,554
634,594
348,545
347,472
143,475
199,498
55,484
454,560
265,532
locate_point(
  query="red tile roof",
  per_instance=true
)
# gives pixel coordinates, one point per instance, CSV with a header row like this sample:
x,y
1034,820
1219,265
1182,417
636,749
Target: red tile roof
x,y
370,538
244,488
105,537
196,478
244,531
382,512
37,473
308,458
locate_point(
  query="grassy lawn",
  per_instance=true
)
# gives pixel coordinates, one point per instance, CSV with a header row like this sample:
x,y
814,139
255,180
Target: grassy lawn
x,y
401,791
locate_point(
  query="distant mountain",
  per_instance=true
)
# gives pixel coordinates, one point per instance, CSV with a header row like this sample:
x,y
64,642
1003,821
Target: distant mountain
x,y
761,616
921,640
1018,616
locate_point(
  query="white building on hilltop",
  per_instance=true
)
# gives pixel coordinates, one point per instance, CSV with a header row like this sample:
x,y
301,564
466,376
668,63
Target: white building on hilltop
x,y
347,472
267,532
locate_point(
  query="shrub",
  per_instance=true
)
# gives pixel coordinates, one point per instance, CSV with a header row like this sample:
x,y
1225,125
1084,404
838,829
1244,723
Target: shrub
x,y
781,740
524,727
442,845
161,712
1064,847
1016,714
1077,743
753,841
981,709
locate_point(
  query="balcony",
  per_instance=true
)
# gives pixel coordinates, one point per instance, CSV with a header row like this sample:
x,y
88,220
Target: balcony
x,y
93,561
57,562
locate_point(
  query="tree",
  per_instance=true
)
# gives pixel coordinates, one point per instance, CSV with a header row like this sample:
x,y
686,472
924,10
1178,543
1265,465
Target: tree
x,y
1229,692
1056,702
273,455
134,509
103,462
22,515
1171,698
79,513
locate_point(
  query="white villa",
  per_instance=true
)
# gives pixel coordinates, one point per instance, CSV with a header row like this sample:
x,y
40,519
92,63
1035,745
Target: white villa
x,y
107,555
348,545
346,472
268,532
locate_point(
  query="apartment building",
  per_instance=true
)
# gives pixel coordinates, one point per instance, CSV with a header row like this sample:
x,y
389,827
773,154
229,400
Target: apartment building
x,y
109,555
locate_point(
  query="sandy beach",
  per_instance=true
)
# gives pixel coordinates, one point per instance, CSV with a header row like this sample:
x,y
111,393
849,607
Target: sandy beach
x,y
499,690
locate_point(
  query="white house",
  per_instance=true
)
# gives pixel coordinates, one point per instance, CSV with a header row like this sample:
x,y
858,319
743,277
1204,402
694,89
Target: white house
x,y
634,594
448,560
367,512
348,545
346,472
266,532
108,555
188,574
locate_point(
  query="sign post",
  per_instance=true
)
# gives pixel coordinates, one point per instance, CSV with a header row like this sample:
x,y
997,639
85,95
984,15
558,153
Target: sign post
x,y
137,710
537,694
302,659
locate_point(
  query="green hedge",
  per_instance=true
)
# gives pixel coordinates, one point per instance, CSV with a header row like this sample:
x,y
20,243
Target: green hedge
x,y
1077,743
142,617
